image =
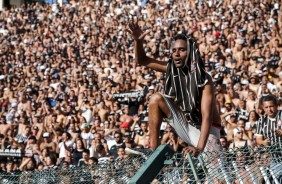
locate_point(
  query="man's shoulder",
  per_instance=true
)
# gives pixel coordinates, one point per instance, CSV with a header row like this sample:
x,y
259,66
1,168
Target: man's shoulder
x,y
261,120
208,80
208,83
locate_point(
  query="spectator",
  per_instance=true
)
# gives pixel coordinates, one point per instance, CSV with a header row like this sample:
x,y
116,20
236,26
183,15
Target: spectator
x,y
34,131
65,145
238,141
128,142
143,132
77,151
224,143
251,124
272,120
119,142
85,158
102,154
31,143
230,122
86,135
24,136
28,165
121,153
95,142
173,142
50,162
47,142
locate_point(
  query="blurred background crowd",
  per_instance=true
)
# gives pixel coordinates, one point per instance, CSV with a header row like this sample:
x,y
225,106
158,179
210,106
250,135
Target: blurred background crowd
x,y
71,93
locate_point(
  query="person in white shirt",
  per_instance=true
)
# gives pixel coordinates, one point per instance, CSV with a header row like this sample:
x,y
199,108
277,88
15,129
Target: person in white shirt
x,y
86,135
65,145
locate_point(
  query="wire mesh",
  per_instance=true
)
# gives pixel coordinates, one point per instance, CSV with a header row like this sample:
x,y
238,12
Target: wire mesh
x,y
116,171
180,170
257,165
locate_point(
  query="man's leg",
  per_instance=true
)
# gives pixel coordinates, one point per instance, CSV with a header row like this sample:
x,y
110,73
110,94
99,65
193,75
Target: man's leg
x,y
158,109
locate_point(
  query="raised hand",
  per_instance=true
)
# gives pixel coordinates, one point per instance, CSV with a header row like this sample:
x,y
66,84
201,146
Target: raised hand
x,y
136,32
136,118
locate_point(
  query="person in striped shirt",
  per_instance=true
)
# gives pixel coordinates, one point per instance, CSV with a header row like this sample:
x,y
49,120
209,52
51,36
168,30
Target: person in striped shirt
x,y
188,101
269,128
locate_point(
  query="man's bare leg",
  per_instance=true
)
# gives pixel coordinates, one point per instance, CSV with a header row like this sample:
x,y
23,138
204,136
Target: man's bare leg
x,y
158,109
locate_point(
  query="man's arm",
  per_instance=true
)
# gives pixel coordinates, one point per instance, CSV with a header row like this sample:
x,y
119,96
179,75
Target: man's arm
x,y
140,55
225,122
260,139
136,140
142,59
206,110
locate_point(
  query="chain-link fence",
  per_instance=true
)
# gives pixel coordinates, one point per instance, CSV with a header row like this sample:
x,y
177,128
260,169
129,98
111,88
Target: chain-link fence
x,y
257,165
116,171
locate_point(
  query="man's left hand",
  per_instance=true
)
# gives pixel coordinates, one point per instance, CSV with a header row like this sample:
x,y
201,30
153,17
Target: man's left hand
x,y
278,132
194,151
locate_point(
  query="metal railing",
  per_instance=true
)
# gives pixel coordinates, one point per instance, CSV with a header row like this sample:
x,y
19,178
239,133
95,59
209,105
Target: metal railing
x,y
250,165
257,165
116,171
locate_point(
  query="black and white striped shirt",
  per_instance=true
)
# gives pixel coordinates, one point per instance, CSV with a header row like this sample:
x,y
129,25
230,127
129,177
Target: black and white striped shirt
x,y
266,127
186,83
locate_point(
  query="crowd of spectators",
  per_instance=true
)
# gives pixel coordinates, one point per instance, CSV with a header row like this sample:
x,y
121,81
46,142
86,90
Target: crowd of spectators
x,y
71,93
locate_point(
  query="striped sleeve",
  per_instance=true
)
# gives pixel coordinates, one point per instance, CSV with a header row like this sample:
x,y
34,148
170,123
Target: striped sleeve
x,y
201,74
259,127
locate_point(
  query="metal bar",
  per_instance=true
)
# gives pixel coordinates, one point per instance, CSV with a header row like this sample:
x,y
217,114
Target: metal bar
x,y
225,173
201,160
152,166
237,171
264,174
193,168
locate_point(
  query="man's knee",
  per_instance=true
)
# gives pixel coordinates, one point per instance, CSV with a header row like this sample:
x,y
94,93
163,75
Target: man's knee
x,y
156,99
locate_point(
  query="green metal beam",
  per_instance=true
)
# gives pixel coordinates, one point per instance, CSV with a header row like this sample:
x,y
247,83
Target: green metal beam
x,y
152,166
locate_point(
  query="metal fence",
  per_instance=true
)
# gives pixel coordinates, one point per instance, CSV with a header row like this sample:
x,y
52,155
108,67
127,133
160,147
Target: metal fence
x,y
116,171
257,165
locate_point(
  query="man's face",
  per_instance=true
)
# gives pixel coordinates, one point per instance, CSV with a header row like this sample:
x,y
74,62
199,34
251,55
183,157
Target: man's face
x,y
270,108
241,124
251,95
27,131
242,104
64,136
85,156
121,152
223,143
10,167
118,138
144,126
97,138
179,53
72,127
30,165
126,110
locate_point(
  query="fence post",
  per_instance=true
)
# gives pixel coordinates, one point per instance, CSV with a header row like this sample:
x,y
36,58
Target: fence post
x,y
152,166
193,168
201,160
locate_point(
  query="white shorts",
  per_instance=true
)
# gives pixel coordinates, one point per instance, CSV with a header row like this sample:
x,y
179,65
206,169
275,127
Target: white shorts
x,y
189,133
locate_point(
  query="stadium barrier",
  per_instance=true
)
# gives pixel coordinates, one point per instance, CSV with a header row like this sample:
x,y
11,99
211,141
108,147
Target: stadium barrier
x,y
244,165
116,171
257,165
